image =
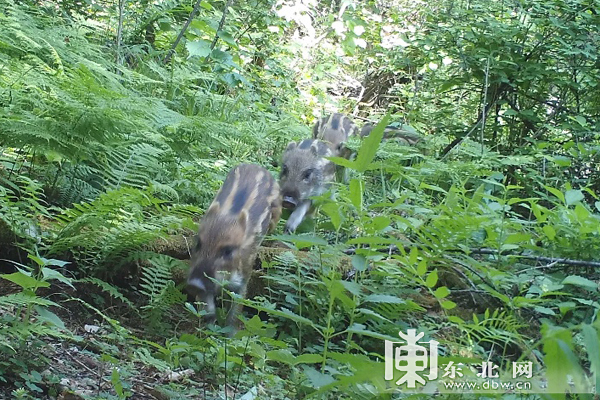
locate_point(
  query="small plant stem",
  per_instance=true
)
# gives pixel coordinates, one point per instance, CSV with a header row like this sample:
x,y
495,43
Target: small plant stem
x,y
327,333
237,382
299,280
225,383
350,334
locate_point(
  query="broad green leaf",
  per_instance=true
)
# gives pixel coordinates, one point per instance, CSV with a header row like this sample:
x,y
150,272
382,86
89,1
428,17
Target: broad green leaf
x,y
359,263
251,394
383,298
560,360
414,256
591,342
284,312
378,223
573,196
576,280
45,262
582,213
561,161
48,316
294,317
308,359
316,378
282,355
556,192
448,304
432,187
356,193
544,310
337,291
549,231
422,268
362,330
447,85
343,162
540,213
206,5
432,279
25,281
115,379
202,26
517,238
566,306
580,120
332,210
370,144
441,292
455,319
52,274
353,287
227,38
372,313
190,307
198,48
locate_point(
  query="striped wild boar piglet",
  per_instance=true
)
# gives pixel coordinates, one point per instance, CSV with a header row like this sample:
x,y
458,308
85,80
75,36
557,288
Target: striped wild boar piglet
x,y
304,173
245,209
335,129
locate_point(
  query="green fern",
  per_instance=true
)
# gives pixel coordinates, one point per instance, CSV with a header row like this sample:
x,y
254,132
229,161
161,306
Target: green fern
x,y
132,165
20,202
499,328
106,231
155,277
144,356
159,289
108,288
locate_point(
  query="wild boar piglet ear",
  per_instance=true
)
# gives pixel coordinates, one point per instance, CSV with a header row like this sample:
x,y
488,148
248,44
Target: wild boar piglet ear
x,y
290,146
243,219
214,208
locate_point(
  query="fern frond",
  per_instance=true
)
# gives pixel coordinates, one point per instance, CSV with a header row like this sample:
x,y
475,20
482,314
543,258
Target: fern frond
x,y
107,230
143,355
500,328
108,288
20,299
156,277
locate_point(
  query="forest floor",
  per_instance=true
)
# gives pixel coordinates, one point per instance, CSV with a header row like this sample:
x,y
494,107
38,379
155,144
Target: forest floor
x,y
82,365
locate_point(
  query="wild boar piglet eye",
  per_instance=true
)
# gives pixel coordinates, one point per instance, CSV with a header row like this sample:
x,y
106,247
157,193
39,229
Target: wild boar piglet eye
x,y
307,174
227,251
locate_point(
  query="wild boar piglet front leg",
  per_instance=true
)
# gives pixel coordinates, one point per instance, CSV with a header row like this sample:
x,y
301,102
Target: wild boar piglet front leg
x,y
297,216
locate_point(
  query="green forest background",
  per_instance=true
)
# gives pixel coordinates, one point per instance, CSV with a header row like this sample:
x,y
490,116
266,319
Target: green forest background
x,y
119,121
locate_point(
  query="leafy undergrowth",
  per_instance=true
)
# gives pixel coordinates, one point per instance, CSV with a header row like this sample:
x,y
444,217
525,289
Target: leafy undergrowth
x,y
107,153
110,351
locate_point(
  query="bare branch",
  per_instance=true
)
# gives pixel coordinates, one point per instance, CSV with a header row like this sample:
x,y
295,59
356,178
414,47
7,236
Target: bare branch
x,y
182,32
551,261
221,23
120,32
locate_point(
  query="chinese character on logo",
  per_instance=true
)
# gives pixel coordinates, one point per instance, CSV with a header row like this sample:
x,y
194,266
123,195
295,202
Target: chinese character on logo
x,y
415,360
522,368
487,370
451,371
